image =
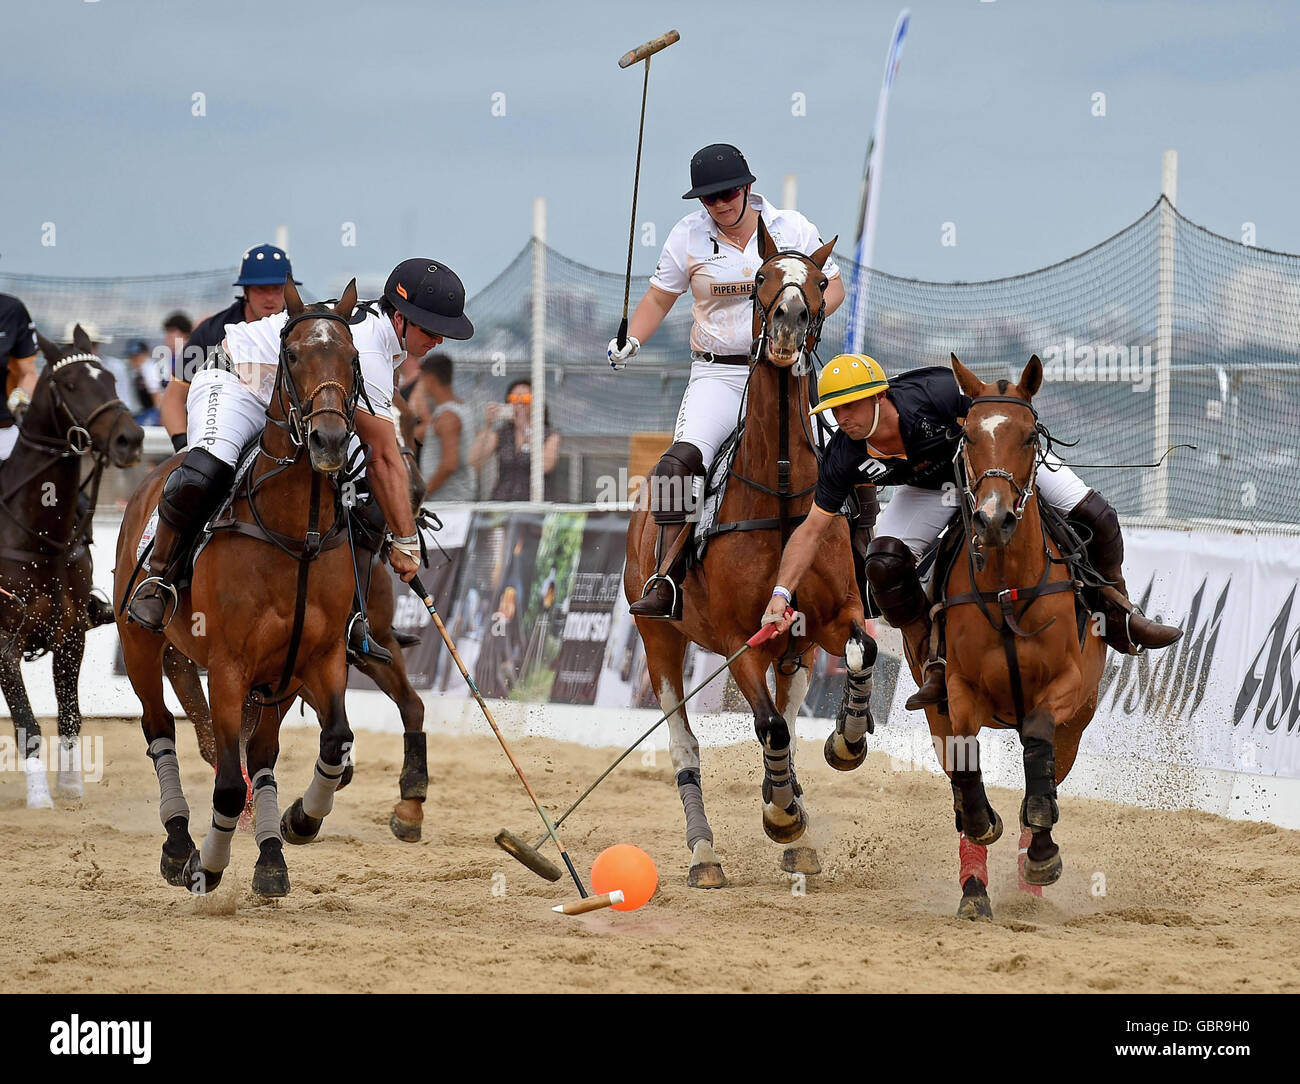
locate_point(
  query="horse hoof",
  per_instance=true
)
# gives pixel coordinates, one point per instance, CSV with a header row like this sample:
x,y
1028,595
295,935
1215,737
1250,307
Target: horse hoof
x,y
706,875
346,777
974,904
271,875
800,860
198,880
779,832
844,764
1045,871
176,852
298,828
405,830
992,835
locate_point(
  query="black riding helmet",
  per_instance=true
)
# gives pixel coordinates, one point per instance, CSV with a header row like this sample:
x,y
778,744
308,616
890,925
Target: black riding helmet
x,y
430,295
716,168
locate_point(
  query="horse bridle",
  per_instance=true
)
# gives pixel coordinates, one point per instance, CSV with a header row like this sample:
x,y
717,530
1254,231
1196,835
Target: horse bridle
x,y
961,459
298,418
77,440
758,350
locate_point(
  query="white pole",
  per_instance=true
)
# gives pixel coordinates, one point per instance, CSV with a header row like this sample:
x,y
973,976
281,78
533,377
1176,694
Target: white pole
x,y
536,487
282,238
1158,491
790,192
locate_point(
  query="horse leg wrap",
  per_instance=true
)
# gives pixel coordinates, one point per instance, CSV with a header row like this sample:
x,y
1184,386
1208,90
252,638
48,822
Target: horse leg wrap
x,y
171,799
974,861
266,807
318,799
779,787
970,803
414,781
214,851
1039,810
856,708
697,825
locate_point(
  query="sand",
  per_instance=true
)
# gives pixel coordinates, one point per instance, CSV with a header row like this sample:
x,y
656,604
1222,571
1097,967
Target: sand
x,y
1192,902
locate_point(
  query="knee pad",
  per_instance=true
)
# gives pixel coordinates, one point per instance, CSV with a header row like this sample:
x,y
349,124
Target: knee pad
x,y
891,571
671,483
194,489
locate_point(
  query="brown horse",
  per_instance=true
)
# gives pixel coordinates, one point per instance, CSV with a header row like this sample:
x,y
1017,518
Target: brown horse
x,y
1014,653
260,616
725,596
45,571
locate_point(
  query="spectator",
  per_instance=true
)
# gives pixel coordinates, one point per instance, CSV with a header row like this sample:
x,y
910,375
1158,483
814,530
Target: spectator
x,y
508,436
176,330
146,381
449,434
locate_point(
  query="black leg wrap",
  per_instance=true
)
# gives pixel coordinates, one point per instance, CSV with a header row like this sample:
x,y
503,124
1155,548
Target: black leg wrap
x,y
1039,810
970,804
414,781
895,585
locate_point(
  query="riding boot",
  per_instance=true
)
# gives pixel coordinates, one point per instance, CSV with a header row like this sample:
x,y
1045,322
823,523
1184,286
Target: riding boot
x,y
671,492
360,644
99,611
192,492
896,587
1127,629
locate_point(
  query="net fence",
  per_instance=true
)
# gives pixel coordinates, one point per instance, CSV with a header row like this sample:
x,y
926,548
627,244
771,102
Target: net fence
x,y
1230,313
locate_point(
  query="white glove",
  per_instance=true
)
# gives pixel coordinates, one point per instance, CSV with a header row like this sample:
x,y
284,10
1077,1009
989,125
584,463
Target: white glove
x,y
618,358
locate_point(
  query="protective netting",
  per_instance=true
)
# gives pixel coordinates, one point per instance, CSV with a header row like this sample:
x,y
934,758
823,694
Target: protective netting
x,y
1232,314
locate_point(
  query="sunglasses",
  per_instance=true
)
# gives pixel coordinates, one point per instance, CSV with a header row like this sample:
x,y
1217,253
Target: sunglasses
x,y
521,398
722,197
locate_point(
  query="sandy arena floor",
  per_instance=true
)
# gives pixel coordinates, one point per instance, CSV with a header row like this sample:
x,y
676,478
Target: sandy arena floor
x,y
1192,902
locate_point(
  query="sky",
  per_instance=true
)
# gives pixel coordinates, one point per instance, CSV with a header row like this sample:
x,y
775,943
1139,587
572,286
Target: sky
x,y
384,115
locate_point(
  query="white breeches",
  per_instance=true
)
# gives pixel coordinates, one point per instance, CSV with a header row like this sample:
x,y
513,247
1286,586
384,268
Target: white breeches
x,y
8,438
711,406
222,414
916,516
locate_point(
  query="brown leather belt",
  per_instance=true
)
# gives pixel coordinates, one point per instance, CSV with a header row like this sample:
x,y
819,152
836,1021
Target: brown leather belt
x,y
721,359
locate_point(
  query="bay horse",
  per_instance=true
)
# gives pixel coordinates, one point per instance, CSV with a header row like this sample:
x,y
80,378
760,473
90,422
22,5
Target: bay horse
x,y
46,507
725,595
407,818
1016,656
265,610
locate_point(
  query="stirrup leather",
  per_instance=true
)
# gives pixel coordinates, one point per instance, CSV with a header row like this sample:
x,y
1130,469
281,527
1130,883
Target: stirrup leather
x,y
167,615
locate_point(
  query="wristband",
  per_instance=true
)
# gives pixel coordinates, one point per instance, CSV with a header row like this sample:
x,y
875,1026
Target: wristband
x,y
179,441
784,592
409,546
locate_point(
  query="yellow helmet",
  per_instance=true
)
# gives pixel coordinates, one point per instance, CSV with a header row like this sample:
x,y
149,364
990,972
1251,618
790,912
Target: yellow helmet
x,y
846,378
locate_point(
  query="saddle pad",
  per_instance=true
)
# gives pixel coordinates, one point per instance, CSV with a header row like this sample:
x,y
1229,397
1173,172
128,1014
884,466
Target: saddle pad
x,y
715,489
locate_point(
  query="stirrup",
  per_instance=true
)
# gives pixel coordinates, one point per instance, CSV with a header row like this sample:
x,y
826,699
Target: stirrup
x,y
167,617
369,649
675,608
105,607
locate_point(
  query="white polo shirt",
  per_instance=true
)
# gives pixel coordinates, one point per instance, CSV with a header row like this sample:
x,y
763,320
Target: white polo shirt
x,y
698,256
255,350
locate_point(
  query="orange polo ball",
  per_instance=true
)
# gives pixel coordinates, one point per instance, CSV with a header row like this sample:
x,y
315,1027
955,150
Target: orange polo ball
x,y
629,868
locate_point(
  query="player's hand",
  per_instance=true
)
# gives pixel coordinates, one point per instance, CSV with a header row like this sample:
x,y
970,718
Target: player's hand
x,y
618,359
403,564
778,613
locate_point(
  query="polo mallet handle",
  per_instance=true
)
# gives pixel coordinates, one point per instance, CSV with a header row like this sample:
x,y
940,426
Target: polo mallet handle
x,y
761,636
642,52
427,599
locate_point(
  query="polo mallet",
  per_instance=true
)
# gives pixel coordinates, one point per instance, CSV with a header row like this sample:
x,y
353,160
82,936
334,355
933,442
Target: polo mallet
x,y
641,52
427,599
538,862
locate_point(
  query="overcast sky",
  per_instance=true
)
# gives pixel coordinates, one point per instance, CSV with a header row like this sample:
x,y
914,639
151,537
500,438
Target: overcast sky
x,y
380,114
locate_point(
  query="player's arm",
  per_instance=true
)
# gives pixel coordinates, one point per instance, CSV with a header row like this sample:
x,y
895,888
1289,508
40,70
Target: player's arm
x,y
172,411
834,294
22,371
650,313
796,559
389,482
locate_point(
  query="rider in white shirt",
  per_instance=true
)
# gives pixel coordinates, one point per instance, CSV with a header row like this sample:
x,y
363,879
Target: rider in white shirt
x,y
423,302
713,252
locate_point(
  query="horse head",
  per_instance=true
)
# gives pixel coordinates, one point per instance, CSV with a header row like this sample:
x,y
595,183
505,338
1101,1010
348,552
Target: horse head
x,y
317,352
999,451
789,304
75,405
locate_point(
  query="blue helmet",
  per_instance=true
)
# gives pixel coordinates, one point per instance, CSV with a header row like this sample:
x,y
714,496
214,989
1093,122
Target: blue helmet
x,y
265,265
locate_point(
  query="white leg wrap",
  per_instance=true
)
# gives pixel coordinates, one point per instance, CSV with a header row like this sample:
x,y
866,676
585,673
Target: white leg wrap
x,y
318,799
266,807
857,704
68,782
214,852
171,799
38,787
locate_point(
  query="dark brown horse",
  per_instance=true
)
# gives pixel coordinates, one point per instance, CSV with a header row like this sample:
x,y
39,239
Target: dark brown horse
x,y
725,596
46,501
1014,653
261,616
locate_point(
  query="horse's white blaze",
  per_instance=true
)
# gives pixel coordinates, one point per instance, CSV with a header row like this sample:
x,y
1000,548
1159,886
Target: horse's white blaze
x,y
794,272
990,424
683,746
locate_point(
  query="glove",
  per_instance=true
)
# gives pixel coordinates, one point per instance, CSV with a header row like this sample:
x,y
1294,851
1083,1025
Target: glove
x,y
618,358
179,441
